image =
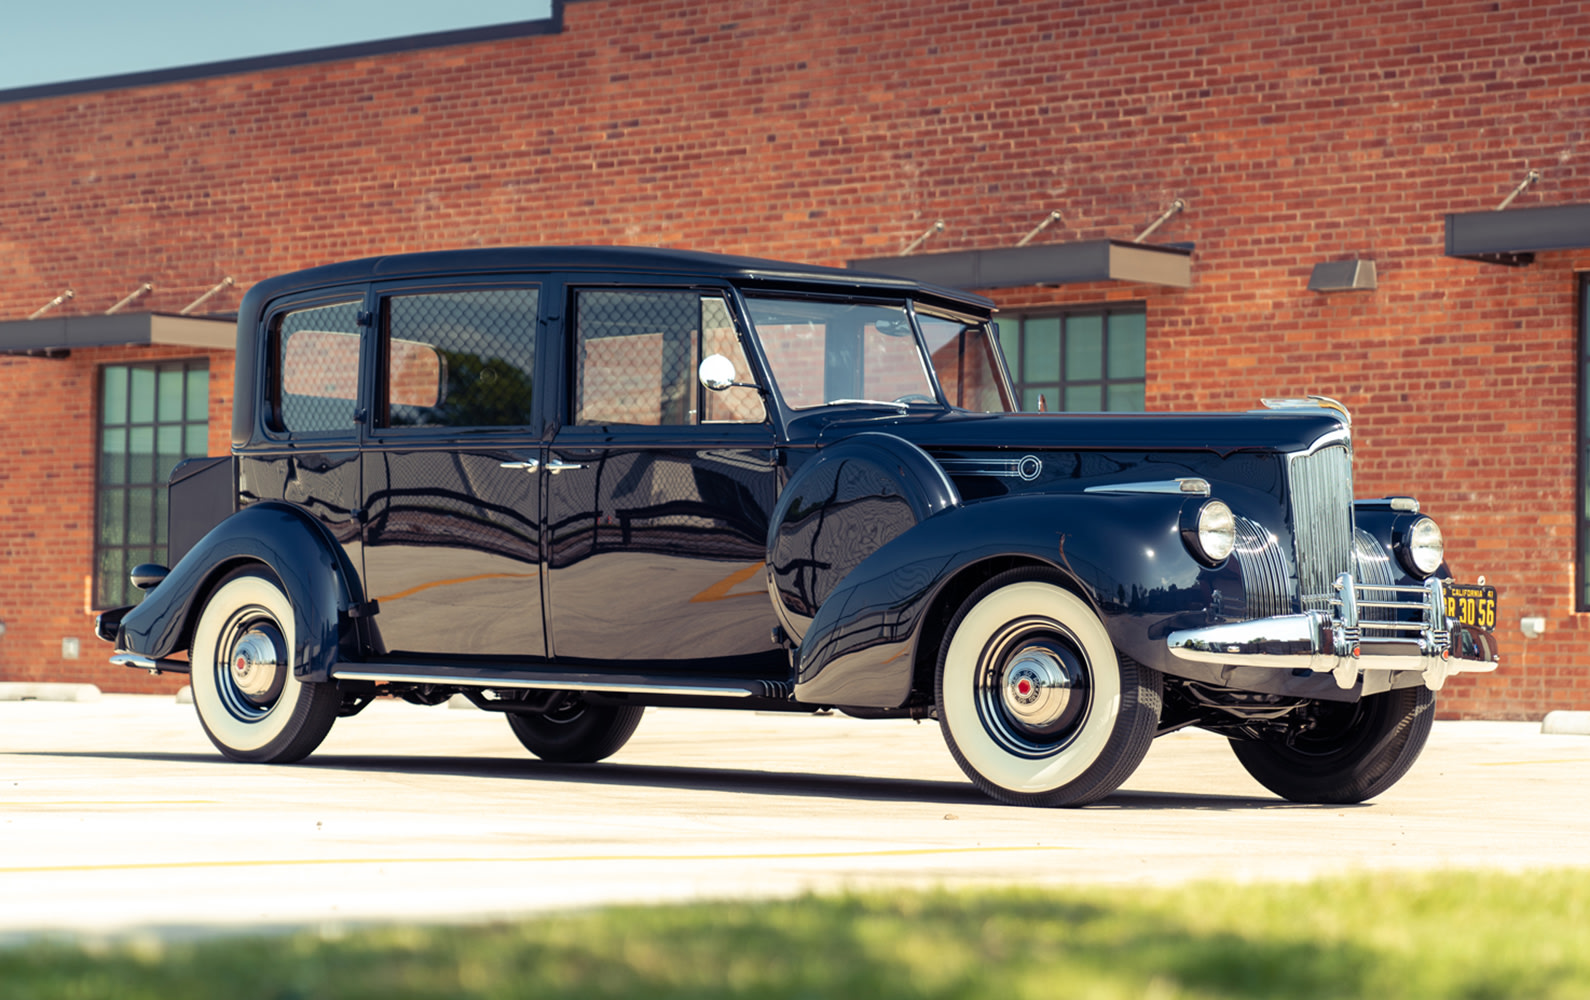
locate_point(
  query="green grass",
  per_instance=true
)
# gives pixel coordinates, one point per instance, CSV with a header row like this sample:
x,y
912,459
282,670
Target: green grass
x,y
1467,935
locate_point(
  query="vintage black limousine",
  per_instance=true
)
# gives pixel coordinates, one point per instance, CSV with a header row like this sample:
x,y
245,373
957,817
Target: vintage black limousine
x,y
570,483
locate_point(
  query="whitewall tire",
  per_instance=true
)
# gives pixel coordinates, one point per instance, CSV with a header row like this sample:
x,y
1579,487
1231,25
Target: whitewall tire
x,y
250,704
1034,702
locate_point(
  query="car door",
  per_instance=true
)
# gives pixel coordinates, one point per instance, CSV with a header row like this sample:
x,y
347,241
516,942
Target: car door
x,y
659,492
452,477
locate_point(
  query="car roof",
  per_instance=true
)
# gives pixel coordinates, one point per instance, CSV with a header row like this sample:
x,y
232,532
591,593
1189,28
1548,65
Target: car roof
x,y
639,260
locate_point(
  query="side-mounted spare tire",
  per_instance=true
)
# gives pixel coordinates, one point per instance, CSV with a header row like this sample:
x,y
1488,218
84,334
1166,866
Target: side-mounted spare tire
x,y
839,507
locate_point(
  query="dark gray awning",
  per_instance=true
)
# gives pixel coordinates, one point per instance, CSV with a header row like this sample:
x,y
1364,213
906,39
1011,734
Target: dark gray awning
x,y
1514,236
1048,264
55,334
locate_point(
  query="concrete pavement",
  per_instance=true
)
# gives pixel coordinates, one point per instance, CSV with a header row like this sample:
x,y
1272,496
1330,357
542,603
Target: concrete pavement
x,y
117,816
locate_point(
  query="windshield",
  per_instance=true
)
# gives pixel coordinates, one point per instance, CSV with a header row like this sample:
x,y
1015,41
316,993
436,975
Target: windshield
x,y
836,352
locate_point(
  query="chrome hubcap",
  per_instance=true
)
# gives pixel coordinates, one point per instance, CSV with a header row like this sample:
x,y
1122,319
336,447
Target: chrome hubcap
x,y
1043,689
257,665
1034,688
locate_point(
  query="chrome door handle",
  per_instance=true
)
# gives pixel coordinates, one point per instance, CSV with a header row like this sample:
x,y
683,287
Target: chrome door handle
x,y
559,465
528,465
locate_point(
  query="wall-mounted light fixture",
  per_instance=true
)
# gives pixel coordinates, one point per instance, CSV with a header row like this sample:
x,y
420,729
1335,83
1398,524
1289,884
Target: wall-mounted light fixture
x,y
1343,276
1532,626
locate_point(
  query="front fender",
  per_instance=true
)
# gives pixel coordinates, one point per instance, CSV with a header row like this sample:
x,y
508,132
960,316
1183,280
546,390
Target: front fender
x,y
1122,552
311,566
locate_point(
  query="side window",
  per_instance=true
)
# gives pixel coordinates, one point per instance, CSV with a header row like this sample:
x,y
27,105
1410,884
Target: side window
x,y
460,358
963,359
317,369
636,354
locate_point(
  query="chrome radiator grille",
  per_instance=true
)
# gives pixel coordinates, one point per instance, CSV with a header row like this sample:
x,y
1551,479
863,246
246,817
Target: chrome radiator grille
x,y
1322,511
1264,571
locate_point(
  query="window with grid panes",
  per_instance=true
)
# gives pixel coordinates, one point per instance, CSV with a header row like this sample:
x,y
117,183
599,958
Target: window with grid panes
x,y
152,416
1584,442
1080,360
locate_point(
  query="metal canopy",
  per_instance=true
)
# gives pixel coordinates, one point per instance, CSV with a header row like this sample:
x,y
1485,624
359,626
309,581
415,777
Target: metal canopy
x,y
1513,237
54,335
1046,264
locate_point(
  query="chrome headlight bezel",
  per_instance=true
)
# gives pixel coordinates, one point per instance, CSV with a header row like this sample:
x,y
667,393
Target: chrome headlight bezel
x,y
1209,530
1421,548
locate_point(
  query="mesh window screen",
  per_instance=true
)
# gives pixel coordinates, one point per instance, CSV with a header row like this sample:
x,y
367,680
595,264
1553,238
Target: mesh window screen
x,y
461,359
636,355
319,369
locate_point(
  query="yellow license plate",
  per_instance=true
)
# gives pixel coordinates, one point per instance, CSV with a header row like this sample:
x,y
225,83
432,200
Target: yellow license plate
x,y
1471,604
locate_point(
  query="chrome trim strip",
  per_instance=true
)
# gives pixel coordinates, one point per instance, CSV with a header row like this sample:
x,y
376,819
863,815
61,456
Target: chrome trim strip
x,y
134,660
1027,467
538,684
1174,487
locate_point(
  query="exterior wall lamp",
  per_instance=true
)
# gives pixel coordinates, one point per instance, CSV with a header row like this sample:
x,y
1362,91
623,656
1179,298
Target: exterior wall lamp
x,y
1343,276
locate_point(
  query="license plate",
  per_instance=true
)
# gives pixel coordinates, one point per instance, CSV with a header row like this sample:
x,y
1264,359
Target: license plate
x,y
1471,604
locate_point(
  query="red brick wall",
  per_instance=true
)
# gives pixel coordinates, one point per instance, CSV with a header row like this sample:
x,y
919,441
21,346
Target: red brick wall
x,y
47,483
1296,133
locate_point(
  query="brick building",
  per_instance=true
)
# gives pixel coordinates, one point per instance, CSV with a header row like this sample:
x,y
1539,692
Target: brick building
x,y
1292,135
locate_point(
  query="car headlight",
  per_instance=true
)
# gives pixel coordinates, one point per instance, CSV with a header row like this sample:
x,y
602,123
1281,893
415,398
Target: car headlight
x,y
1422,548
1212,534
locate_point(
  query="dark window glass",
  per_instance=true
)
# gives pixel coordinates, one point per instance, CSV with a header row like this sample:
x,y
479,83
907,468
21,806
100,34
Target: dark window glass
x,y
1083,360
461,359
151,417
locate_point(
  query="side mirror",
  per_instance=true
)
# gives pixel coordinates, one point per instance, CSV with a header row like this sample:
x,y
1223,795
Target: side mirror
x,y
717,373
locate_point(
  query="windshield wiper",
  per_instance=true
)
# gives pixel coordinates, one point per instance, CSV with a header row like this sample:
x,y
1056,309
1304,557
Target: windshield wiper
x,y
902,407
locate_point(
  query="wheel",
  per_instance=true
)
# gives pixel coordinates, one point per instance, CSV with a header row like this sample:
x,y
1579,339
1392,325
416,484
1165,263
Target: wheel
x,y
249,702
1355,750
1034,703
573,731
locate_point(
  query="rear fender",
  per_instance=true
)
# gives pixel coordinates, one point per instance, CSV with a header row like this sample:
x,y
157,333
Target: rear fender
x,y
1122,553
311,566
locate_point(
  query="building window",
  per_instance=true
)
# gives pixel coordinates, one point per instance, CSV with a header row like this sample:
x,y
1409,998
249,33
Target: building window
x,y
1584,442
1091,359
152,416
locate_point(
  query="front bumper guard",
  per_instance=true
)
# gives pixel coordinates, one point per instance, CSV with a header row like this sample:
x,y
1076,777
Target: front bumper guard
x,y
1342,642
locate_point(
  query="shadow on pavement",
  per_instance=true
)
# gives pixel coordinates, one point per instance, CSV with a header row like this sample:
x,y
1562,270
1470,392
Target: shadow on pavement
x,y
754,782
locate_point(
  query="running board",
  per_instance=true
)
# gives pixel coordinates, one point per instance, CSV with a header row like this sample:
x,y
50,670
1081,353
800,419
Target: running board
x,y
694,687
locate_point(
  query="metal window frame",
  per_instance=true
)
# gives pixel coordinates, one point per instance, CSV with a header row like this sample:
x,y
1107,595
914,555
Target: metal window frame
x,y
1582,492
101,595
1018,366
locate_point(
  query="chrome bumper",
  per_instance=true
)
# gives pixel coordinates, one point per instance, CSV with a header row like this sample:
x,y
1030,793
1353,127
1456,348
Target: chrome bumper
x,y
1343,643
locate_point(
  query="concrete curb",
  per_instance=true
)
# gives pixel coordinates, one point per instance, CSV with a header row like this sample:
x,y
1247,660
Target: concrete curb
x,y
1566,723
22,691
185,695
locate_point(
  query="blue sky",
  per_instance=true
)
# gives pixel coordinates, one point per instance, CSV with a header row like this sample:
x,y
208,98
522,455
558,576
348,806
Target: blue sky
x,y
56,41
